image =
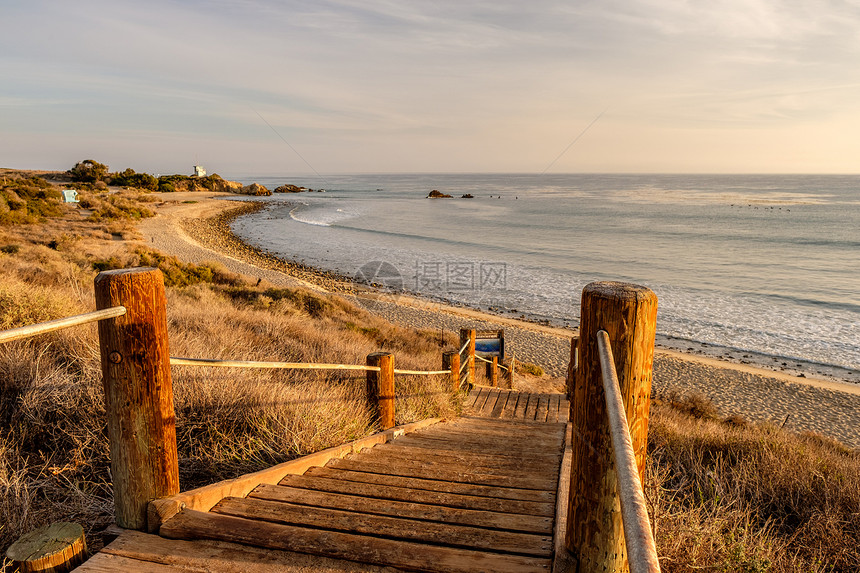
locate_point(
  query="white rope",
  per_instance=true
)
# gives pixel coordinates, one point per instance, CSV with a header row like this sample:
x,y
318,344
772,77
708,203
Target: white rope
x,y
60,323
177,361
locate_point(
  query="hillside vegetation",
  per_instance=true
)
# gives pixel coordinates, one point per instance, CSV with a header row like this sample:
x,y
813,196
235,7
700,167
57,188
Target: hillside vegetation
x,y
724,495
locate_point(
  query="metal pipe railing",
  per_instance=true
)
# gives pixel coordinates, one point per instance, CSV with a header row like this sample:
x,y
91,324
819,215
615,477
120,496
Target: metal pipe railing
x,y
59,324
641,550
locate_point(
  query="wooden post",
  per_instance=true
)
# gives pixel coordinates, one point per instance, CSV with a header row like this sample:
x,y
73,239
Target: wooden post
x,y
493,372
55,548
380,388
628,314
571,366
469,334
141,423
451,361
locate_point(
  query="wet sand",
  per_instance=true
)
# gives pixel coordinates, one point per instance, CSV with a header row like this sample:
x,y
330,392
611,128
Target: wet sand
x,y
816,401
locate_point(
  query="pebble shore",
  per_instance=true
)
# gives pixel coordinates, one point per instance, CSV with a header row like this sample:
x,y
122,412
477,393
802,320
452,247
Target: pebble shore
x,y
198,235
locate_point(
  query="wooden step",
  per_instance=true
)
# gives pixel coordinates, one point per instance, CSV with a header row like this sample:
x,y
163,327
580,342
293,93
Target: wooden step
x,y
190,524
389,527
370,490
410,510
539,498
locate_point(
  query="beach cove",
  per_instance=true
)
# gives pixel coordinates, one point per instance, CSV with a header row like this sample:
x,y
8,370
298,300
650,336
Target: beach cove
x,y
200,231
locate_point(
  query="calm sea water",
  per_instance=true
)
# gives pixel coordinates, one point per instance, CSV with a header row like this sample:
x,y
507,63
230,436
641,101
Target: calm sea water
x,y
769,264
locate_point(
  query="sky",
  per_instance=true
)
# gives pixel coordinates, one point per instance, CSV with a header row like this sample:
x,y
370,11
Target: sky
x,y
370,86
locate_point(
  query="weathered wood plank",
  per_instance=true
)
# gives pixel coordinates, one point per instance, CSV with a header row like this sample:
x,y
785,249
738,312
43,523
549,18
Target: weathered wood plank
x,y
541,413
564,411
107,563
461,516
473,397
522,404
552,408
537,497
481,401
478,459
461,473
492,398
532,407
390,527
190,524
483,447
373,491
511,405
159,554
203,498
500,403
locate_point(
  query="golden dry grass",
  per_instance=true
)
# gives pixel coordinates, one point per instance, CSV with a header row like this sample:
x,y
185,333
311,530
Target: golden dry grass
x,y
730,496
53,447
724,495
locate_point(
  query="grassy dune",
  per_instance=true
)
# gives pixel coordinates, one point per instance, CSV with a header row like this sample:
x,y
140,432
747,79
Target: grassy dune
x,y
724,495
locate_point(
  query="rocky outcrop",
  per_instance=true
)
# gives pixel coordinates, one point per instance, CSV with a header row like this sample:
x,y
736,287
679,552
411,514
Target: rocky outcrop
x,y
434,194
290,189
255,189
467,196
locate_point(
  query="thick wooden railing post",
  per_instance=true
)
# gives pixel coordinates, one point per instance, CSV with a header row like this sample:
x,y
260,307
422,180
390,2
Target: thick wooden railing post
x,y
380,388
469,335
141,423
493,371
628,313
451,361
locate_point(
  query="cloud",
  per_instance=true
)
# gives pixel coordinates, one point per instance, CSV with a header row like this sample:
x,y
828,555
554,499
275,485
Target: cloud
x,y
497,84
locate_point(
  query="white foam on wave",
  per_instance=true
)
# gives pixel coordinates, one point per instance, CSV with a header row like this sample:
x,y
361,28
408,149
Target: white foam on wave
x,y
320,216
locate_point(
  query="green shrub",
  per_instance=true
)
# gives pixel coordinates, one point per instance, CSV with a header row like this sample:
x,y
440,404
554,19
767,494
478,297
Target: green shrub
x,y
28,200
529,368
89,171
129,178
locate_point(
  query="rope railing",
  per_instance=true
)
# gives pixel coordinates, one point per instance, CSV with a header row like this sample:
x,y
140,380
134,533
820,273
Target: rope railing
x,y
639,540
53,325
421,372
463,348
178,361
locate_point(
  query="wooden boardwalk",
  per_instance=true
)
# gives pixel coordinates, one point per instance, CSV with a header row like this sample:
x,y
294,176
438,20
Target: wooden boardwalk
x,y
477,493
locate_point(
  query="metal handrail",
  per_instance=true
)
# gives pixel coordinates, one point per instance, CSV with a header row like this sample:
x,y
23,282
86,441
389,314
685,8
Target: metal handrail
x,y
638,538
53,325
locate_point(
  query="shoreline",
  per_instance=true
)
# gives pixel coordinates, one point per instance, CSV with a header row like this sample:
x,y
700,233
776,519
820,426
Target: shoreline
x,y
216,234
826,405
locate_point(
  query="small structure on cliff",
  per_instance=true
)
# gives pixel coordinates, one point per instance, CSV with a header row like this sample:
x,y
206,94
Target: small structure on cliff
x,y
199,171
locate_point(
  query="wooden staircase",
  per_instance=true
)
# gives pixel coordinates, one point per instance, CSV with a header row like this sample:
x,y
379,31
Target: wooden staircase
x,y
476,493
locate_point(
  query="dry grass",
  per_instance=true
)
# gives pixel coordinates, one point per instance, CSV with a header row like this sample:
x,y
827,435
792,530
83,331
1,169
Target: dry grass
x,y
725,495
731,496
53,448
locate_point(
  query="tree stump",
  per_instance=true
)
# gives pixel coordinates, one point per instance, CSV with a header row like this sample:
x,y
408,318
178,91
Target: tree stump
x,y
56,548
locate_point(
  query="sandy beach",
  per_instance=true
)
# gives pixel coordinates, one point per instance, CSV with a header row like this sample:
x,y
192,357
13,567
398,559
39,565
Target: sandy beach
x,y
801,397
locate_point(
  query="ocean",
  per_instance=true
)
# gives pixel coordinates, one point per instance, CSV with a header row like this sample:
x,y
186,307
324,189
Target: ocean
x,y
768,264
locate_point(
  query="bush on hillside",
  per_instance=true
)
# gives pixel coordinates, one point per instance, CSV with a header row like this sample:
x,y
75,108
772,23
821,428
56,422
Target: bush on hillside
x,y
28,200
89,171
129,178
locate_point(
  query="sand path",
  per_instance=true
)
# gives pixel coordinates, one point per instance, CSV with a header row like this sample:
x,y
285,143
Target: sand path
x,y
801,404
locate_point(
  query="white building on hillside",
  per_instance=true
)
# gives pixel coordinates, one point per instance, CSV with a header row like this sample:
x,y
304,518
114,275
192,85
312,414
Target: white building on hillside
x,y
199,171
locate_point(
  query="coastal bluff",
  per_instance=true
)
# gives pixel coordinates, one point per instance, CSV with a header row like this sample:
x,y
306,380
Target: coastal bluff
x,y
218,185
